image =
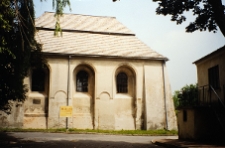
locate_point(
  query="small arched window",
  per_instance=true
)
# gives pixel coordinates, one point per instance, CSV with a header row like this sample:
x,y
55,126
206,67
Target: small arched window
x,y
122,83
82,81
38,80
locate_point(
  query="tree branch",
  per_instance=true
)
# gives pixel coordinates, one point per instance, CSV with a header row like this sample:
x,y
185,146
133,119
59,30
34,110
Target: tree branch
x,y
219,15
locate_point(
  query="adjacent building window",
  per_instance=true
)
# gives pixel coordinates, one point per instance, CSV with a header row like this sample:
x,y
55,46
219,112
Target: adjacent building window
x,y
213,74
184,115
82,81
122,83
38,80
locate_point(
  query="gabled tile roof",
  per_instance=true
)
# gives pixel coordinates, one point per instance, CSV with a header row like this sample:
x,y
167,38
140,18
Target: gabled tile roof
x,y
82,22
91,36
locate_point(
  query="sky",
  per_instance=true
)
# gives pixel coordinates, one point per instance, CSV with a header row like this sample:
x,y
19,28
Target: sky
x,y
156,31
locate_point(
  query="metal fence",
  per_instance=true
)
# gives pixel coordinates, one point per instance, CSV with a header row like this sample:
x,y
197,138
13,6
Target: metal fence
x,y
207,95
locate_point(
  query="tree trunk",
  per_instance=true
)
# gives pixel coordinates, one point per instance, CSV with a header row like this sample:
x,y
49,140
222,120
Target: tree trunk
x,y
219,15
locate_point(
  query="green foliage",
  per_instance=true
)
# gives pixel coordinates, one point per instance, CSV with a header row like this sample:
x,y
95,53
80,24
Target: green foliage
x,y
176,99
209,13
186,97
17,44
59,6
19,50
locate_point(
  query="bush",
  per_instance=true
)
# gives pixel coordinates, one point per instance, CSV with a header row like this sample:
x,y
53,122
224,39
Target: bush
x,y
186,97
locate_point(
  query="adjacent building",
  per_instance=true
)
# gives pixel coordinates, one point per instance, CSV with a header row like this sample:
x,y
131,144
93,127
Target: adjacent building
x,y
206,119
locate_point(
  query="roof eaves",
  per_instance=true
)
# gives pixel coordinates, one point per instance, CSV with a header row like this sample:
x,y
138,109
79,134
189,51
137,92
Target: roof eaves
x,y
106,56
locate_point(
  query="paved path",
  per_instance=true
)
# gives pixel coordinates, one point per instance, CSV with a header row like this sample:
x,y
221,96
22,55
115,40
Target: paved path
x,y
38,136
61,140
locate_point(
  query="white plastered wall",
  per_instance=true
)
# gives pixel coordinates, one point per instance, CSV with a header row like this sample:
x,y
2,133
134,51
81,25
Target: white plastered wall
x,y
159,108
103,107
57,92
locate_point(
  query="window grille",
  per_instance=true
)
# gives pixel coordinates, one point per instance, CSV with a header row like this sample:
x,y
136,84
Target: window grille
x,y
82,81
122,83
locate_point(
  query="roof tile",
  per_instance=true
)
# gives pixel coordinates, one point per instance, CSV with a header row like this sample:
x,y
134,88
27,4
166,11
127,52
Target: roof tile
x,y
82,22
125,44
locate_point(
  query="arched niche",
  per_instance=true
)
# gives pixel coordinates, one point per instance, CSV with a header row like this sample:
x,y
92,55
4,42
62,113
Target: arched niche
x,y
83,96
124,102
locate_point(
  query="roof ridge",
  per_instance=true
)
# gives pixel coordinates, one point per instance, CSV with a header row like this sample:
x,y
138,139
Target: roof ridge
x,y
82,14
83,22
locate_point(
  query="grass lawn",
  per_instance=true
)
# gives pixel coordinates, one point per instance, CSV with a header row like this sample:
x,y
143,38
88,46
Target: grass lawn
x,y
87,131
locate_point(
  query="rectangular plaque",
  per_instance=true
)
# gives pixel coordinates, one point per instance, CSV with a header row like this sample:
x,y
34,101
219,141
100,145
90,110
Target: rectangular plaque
x,y
66,111
36,101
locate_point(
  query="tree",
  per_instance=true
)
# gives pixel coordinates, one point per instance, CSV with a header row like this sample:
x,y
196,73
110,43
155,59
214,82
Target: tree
x,y
59,6
16,44
19,51
209,13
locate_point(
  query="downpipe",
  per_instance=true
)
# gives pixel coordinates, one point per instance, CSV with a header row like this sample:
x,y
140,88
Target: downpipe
x,y
164,95
68,88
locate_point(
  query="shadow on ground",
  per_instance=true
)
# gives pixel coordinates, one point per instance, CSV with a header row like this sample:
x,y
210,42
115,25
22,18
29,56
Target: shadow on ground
x,y
7,141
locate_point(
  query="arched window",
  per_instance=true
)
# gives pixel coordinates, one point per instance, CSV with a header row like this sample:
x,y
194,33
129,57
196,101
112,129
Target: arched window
x,y
38,80
121,82
82,81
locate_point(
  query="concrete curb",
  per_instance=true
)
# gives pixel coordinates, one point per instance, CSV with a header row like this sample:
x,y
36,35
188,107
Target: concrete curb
x,y
176,143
